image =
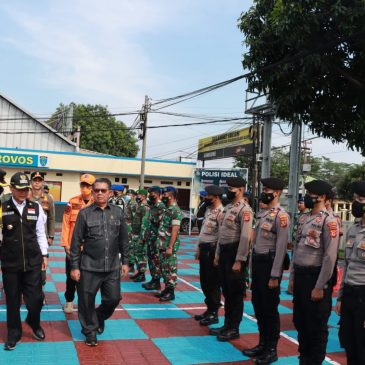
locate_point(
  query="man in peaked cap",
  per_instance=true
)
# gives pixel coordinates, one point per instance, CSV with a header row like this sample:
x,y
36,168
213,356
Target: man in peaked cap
x,y
351,296
269,252
314,259
232,256
151,233
208,237
45,200
169,242
75,204
23,257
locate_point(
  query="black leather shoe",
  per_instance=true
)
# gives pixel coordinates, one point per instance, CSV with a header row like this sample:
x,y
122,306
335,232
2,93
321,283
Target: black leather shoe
x,y
268,357
101,327
217,331
10,345
154,284
38,333
255,351
139,278
211,318
169,295
228,334
91,341
199,317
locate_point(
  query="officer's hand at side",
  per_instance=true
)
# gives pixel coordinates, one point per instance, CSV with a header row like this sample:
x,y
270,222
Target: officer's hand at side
x,y
236,267
291,286
216,261
317,294
273,283
168,252
338,308
67,250
124,270
50,241
75,274
44,264
197,254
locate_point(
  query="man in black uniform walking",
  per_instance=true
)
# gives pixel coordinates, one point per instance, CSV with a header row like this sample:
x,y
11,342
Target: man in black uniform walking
x,y
102,233
23,256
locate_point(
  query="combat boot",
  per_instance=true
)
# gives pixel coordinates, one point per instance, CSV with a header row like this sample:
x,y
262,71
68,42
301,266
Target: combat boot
x,y
217,331
169,295
269,356
139,278
199,317
154,284
228,334
161,293
210,318
255,351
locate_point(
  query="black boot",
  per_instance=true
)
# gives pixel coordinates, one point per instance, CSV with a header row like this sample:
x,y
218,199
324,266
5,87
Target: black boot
x,y
269,356
217,331
169,295
139,278
154,284
255,351
199,317
228,334
210,318
160,294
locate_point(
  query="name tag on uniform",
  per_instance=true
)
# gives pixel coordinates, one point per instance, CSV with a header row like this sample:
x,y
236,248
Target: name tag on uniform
x,y
8,213
31,211
32,217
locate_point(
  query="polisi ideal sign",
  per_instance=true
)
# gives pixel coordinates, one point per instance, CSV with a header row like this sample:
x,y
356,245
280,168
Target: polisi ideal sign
x,y
23,160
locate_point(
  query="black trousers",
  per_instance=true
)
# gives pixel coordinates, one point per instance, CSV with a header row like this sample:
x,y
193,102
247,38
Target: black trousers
x,y
28,284
352,330
70,283
209,277
233,286
88,286
311,318
265,301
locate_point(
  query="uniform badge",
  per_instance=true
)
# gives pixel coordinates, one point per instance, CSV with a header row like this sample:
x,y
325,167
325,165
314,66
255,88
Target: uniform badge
x,y
246,216
9,227
319,219
361,245
349,243
333,227
284,221
272,214
31,210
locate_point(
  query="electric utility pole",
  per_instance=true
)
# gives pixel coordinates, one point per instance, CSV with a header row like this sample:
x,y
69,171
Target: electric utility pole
x,y
143,117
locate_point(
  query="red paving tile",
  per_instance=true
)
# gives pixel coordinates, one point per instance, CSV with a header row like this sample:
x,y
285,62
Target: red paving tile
x,y
339,357
57,270
121,352
138,297
176,327
286,322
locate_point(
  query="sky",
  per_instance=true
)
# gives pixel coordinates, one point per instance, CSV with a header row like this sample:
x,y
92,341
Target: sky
x,y
115,52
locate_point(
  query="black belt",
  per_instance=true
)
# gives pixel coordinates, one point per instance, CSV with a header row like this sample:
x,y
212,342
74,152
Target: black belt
x,y
207,244
228,246
354,289
263,257
313,270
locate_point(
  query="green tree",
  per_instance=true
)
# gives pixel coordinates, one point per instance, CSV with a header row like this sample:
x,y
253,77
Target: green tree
x,y
356,172
320,51
100,131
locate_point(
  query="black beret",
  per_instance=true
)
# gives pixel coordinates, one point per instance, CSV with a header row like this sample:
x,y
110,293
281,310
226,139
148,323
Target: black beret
x,y
319,187
214,190
131,191
154,189
358,187
273,183
236,182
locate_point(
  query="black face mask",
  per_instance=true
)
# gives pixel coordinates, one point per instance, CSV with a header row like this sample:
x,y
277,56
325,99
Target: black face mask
x,y
151,200
358,209
165,199
309,201
208,202
138,200
1,190
231,195
267,198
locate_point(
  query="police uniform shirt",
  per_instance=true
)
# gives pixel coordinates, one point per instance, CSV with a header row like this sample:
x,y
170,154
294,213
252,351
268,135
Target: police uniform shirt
x,y
210,228
40,231
236,227
317,245
271,235
354,269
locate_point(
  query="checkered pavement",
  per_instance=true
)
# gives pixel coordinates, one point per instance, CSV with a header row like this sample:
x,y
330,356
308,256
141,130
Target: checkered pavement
x,y
143,331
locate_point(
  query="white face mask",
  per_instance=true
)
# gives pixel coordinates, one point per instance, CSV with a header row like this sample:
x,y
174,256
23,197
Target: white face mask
x,y
127,198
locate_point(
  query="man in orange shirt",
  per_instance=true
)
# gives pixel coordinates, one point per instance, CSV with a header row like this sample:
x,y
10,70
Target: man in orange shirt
x,y
73,207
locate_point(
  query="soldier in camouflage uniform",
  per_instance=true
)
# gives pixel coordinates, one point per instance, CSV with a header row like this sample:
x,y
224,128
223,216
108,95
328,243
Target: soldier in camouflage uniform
x,y
150,232
129,212
169,242
138,240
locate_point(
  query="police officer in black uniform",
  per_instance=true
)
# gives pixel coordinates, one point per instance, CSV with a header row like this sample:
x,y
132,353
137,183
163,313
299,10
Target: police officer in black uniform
x,y
201,209
351,298
23,256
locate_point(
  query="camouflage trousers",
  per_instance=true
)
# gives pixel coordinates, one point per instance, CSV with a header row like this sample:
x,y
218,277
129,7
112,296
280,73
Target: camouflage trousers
x,y
153,256
169,267
140,255
133,242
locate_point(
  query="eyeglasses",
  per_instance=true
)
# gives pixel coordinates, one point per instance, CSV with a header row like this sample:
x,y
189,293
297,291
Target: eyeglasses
x,y
103,191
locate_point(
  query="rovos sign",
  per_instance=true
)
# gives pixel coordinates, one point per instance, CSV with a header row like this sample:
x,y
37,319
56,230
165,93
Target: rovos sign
x,y
22,160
